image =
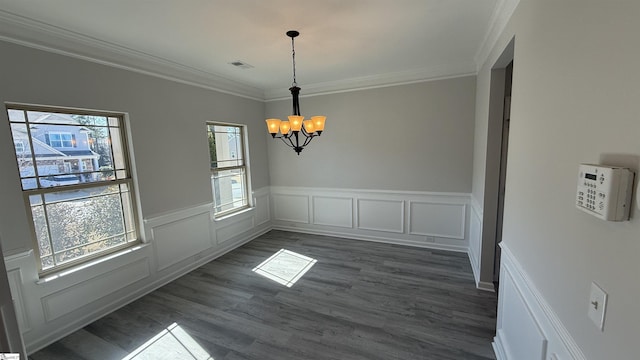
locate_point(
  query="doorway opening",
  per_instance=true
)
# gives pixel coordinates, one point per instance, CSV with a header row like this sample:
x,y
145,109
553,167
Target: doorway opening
x,y
499,118
504,151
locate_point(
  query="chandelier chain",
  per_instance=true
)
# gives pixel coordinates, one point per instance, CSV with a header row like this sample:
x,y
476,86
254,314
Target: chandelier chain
x,y
293,56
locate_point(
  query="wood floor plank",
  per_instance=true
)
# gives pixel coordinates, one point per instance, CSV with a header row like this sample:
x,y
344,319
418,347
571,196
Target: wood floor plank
x,y
359,301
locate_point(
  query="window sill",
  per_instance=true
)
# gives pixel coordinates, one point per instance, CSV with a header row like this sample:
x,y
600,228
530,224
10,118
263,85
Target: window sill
x,y
235,213
46,279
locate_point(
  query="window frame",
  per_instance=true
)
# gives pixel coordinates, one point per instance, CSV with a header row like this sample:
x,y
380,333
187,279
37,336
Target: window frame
x,y
247,176
41,190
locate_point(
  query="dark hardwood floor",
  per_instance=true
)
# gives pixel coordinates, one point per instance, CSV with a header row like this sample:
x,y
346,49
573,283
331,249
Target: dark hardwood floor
x,y
360,300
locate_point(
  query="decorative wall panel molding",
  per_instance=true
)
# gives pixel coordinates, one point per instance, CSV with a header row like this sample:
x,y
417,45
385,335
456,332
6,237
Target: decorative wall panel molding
x,y
527,327
228,232
69,299
180,239
15,284
291,207
436,219
475,240
381,215
333,211
424,219
263,208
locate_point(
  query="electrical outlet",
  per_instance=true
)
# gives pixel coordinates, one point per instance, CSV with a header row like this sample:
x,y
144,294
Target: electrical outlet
x,y
597,305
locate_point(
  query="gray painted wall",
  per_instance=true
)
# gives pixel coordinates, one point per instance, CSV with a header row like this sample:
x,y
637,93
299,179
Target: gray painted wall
x,y
167,127
416,137
575,100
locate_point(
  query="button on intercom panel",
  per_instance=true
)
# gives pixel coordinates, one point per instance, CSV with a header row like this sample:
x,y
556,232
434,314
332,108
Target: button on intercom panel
x,y
604,191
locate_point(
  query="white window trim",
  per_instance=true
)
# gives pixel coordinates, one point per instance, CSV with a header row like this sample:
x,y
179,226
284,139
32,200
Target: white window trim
x,y
244,136
130,180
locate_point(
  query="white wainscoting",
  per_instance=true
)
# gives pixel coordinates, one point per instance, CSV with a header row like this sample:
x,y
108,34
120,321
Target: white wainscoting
x,y
435,219
527,327
15,281
176,243
475,239
333,211
291,208
180,235
425,219
381,215
65,301
228,232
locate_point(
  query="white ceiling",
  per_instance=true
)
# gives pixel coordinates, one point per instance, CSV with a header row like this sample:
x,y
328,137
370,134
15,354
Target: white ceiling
x,y
343,44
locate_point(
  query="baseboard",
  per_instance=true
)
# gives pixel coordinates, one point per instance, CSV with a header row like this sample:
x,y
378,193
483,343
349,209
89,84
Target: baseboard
x,y
385,240
486,286
498,349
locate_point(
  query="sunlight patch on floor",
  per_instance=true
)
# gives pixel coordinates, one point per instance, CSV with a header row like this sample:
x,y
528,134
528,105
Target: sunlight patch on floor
x,y
285,267
171,343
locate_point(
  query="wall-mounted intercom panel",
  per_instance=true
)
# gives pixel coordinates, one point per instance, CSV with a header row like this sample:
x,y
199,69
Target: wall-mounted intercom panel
x,y
605,191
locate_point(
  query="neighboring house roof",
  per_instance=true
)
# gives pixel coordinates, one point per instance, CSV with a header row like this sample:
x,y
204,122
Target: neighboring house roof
x,y
54,118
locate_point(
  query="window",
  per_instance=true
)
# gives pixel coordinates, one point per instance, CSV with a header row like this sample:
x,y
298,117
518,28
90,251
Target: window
x,y
77,183
228,167
61,140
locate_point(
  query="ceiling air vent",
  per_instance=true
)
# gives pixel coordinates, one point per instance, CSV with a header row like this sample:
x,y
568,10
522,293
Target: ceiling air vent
x,y
241,64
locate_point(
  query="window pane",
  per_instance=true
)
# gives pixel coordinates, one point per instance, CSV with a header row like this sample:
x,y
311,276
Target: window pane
x,y
229,189
16,115
116,146
41,230
23,153
68,148
29,184
225,146
82,222
74,151
128,209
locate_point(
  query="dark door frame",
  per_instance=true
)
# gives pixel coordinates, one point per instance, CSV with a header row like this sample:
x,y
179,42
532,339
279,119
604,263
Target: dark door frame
x,y
490,208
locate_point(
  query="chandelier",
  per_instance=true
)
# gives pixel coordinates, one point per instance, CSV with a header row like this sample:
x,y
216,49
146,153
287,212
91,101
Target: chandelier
x,y
296,132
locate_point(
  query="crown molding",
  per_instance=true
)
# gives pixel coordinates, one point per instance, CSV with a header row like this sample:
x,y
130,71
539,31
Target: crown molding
x,y
35,34
499,18
377,81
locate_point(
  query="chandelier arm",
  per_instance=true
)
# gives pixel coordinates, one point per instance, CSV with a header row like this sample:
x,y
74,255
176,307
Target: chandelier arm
x,y
295,133
307,140
284,140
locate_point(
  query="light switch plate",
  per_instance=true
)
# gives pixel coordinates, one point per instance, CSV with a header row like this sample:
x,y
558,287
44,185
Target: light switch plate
x,y
597,305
